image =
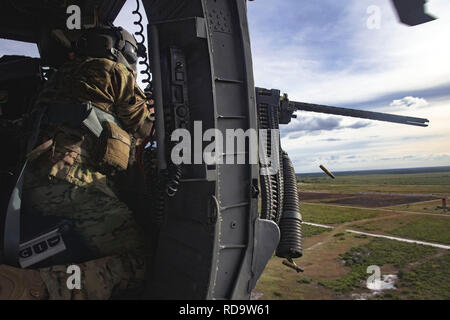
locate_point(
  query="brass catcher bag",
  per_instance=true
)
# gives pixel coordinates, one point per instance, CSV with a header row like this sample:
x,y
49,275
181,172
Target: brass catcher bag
x,y
114,147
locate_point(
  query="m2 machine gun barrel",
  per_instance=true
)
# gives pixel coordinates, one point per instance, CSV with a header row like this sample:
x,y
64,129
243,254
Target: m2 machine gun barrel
x,y
287,108
359,114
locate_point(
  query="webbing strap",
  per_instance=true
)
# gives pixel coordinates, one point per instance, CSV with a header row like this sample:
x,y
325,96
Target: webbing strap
x,y
74,115
103,116
11,234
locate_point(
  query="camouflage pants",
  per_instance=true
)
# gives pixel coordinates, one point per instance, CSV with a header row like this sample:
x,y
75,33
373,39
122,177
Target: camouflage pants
x,y
106,227
100,279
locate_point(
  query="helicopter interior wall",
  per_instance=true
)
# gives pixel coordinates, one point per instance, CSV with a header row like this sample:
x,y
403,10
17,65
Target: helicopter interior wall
x,y
205,247
158,10
182,262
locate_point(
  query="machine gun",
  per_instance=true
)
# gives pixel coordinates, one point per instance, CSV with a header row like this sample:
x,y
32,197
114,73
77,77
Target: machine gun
x,y
287,109
279,192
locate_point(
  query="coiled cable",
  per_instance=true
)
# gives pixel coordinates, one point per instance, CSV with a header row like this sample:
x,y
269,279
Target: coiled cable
x,y
174,181
141,46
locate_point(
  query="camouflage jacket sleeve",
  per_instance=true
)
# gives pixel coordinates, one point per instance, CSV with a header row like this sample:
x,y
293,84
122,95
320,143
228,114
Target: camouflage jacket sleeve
x,y
130,103
107,84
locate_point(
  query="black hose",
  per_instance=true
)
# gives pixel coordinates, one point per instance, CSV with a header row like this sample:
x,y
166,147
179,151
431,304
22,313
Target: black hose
x,y
155,195
290,245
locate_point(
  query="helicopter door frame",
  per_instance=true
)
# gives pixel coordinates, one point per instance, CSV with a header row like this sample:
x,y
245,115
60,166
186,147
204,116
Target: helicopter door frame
x,y
212,244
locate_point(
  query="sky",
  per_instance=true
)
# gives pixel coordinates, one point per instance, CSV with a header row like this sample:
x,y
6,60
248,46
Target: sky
x,y
324,52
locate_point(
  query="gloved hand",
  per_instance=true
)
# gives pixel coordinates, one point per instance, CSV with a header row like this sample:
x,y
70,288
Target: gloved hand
x,y
21,284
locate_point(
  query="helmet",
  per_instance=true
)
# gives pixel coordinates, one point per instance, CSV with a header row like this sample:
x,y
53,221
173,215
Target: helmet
x,y
114,43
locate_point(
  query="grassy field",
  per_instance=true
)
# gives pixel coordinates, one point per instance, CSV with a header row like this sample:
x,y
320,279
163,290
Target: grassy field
x,y
378,252
334,215
335,261
436,183
309,231
430,229
438,178
428,281
427,206
425,189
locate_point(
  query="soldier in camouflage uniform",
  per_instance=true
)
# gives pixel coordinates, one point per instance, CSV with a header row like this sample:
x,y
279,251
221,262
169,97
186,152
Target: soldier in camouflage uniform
x,y
65,180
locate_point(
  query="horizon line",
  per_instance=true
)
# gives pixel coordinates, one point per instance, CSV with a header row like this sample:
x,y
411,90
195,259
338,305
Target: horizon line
x,y
386,169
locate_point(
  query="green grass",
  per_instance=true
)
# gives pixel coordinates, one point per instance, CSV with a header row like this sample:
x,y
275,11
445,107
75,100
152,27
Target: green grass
x,y
434,182
428,281
277,294
377,252
433,178
305,280
309,231
335,215
279,282
432,229
428,207
343,188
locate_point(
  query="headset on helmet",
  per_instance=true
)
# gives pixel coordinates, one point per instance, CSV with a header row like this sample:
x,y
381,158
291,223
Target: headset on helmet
x,y
110,42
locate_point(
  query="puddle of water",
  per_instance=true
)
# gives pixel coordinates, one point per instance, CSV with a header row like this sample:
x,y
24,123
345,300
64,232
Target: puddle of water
x,y
363,296
386,283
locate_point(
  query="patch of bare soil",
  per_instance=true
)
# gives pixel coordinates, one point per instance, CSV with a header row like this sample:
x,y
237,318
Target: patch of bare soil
x,y
305,195
321,261
375,201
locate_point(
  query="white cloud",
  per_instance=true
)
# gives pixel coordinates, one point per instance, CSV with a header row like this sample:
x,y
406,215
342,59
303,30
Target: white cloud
x,y
409,102
380,145
387,60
